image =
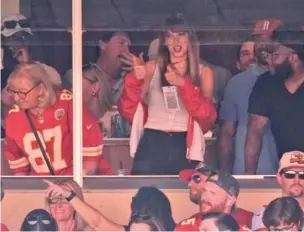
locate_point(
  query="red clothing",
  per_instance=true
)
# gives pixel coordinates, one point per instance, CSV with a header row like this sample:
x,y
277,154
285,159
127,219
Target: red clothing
x,y
3,227
198,106
56,132
202,114
242,217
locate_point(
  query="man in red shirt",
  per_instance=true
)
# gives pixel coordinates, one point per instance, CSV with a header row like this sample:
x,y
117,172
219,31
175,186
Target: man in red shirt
x,y
214,192
52,116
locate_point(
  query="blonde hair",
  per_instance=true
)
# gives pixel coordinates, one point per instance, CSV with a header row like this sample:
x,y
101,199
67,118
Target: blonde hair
x,y
94,74
79,222
36,73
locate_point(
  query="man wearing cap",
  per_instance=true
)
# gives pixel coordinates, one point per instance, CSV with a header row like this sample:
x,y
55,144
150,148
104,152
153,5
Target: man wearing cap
x,y
214,192
290,176
278,99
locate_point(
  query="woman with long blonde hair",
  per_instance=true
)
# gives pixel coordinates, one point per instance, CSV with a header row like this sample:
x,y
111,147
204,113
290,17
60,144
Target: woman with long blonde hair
x,y
169,103
66,217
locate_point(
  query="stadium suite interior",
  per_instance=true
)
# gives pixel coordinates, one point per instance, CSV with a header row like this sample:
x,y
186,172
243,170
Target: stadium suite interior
x,y
233,15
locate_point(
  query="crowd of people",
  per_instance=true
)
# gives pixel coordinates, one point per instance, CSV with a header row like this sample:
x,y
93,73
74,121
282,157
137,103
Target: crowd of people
x,y
213,191
170,102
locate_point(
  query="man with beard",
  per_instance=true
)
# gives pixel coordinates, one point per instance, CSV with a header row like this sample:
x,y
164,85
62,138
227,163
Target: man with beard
x,y
290,176
278,99
214,192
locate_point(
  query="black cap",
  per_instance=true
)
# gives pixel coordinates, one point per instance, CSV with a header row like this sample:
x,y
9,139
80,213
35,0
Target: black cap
x,y
201,167
39,220
290,35
226,182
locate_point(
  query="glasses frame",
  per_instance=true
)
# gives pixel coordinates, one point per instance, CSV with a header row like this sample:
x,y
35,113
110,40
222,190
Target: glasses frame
x,y
22,95
293,174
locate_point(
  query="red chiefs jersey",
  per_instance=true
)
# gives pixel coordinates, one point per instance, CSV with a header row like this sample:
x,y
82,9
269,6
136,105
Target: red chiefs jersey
x,y
242,217
55,130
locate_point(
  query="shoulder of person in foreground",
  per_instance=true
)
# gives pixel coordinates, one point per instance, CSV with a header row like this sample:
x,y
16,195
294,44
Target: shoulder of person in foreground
x,y
257,219
189,224
243,217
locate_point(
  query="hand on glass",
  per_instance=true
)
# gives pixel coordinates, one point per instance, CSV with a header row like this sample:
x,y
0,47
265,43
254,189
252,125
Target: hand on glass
x,y
173,76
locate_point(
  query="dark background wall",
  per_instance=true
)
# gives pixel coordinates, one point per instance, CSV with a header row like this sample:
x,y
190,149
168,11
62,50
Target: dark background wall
x,y
220,24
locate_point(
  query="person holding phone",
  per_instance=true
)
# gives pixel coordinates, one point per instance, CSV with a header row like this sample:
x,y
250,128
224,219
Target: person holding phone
x,y
169,103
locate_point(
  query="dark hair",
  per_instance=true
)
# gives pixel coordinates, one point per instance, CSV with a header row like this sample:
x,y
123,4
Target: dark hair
x,y
39,220
106,38
239,46
153,202
291,36
284,210
223,221
153,223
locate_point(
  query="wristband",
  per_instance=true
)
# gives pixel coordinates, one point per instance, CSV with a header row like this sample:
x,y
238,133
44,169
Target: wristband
x,y
69,198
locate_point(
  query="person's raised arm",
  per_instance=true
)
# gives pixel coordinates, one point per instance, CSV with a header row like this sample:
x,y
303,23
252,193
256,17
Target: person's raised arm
x,y
95,219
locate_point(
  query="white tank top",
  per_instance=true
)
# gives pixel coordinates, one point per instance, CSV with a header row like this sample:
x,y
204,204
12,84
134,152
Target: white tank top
x,y
159,118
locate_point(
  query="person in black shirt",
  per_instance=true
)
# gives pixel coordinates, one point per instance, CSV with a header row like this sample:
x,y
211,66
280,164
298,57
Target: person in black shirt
x,y
278,98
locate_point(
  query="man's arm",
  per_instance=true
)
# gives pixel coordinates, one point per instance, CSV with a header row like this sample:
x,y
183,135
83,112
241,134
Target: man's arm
x,y
225,145
253,144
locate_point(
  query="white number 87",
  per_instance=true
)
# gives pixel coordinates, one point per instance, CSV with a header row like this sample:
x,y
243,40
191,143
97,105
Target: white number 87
x,y
46,136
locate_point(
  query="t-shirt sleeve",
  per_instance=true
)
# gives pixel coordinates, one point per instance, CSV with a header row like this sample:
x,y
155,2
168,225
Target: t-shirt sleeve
x,y
259,97
228,108
257,220
17,161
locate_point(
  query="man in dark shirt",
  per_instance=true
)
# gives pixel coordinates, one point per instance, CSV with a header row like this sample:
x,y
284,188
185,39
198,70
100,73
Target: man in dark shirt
x,y
278,99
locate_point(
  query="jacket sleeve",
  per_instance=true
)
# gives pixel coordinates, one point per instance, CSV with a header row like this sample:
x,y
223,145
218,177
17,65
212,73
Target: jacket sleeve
x,y
130,98
198,106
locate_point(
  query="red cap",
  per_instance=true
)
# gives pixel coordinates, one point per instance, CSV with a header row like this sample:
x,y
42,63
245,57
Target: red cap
x,y
266,26
201,168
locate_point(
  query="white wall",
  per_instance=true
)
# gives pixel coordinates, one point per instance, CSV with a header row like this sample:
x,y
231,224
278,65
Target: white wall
x,y
9,7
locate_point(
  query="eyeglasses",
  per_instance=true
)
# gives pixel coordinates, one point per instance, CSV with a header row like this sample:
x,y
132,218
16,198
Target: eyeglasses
x,y
293,174
56,200
90,66
11,24
20,94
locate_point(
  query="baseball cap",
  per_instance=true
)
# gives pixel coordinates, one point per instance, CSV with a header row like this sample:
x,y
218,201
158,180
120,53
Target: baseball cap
x,y
201,167
292,159
266,26
226,182
14,23
290,35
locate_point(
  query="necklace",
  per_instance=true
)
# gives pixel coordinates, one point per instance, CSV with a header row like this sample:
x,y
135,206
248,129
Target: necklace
x,y
40,119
